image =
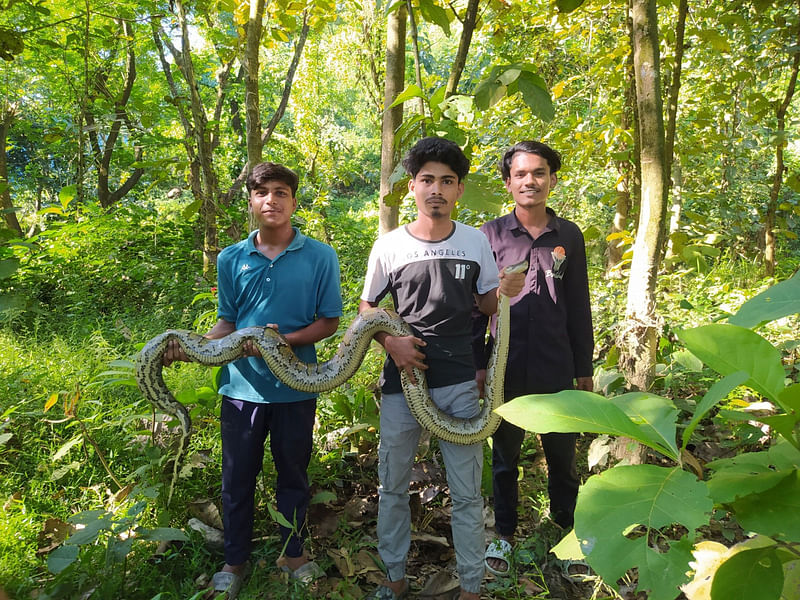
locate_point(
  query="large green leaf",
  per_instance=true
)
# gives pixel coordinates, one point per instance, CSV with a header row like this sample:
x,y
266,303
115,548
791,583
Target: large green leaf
x,y
8,267
612,503
776,302
481,195
66,195
162,534
730,348
489,91
62,557
435,14
774,512
89,534
534,93
567,6
749,575
742,475
644,417
412,91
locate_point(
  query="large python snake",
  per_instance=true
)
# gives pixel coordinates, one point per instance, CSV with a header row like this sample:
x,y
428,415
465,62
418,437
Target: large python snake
x,y
325,376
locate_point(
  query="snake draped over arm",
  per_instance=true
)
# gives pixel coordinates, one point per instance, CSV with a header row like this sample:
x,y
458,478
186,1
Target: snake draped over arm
x,y
325,376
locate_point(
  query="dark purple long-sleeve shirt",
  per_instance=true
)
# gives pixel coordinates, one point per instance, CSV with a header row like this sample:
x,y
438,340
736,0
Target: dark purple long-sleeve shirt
x,y
552,341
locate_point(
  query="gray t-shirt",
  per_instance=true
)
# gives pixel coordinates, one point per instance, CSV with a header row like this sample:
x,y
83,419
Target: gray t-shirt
x,y
432,285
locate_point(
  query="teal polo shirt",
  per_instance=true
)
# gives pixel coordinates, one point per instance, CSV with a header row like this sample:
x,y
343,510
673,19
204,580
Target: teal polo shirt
x,y
294,289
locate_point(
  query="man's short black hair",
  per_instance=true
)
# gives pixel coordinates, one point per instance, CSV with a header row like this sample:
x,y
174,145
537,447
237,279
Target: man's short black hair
x,y
552,157
436,149
269,171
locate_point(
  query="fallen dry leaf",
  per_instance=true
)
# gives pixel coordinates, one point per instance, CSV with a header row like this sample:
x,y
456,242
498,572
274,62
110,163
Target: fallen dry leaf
x,y
205,510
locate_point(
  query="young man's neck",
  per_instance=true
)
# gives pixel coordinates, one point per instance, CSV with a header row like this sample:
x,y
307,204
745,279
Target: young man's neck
x,y
431,230
533,217
272,241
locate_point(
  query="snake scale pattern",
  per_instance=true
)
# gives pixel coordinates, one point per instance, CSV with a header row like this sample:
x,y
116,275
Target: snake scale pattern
x,y
325,376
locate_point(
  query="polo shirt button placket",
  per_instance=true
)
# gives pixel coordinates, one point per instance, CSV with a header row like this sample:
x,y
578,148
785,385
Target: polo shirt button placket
x,y
270,266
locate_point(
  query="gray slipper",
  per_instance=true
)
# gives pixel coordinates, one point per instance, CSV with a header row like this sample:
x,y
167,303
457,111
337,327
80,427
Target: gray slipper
x,y
229,583
383,592
306,573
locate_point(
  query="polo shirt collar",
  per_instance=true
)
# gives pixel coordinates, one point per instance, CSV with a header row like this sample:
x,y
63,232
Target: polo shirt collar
x,y
297,242
511,222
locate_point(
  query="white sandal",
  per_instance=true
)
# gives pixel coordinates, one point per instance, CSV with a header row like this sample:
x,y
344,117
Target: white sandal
x,y
502,550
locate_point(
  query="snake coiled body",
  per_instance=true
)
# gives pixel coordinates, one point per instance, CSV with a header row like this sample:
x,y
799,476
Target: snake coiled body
x,y
325,376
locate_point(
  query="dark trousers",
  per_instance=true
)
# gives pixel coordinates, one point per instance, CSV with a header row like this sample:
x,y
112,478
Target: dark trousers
x,y
245,427
562,475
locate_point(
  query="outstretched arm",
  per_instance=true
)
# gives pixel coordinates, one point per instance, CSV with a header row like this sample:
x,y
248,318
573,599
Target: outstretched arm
x,y
174,351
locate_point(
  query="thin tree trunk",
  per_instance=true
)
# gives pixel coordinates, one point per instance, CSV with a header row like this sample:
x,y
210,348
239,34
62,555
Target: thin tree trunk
x,y
103,156
178,100
83,102
202,140
279,111
388,215
371,54
777,181
251,98
639,332
460,60
417,69
676,206
9,216
625,183
672,117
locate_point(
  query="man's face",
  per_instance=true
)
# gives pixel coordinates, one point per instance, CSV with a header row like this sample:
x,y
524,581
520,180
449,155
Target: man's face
x,y
436,189
530,180
272,204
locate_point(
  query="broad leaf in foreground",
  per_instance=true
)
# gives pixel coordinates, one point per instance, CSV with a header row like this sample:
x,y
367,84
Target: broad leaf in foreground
x,y
774,512
646,418
62,557
728,348
751,472
776,302
614,502
749,575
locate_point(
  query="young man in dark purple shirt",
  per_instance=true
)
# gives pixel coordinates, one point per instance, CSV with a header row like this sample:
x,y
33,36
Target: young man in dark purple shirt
x,y
551,342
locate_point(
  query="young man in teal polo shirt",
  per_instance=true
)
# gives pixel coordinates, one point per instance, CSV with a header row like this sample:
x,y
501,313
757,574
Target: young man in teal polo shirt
x,y
280,278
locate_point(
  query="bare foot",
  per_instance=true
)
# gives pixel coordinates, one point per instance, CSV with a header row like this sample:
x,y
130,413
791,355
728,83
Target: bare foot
x,y
295,562
468,595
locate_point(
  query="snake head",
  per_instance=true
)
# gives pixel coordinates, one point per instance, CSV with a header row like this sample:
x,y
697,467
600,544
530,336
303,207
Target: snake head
x,y
519,267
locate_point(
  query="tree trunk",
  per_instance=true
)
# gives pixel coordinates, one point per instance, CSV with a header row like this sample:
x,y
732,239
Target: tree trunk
x,y
105,152
9,216
468,28
412,21
672,117
371,53
676,206
276,116
639,332
388,215
625,168
251,98
777,180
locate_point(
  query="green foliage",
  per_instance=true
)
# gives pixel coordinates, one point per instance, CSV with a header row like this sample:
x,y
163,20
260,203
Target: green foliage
x,y
653,498
626,517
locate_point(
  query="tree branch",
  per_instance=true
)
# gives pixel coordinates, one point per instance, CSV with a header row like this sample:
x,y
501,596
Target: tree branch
x,y
276,117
